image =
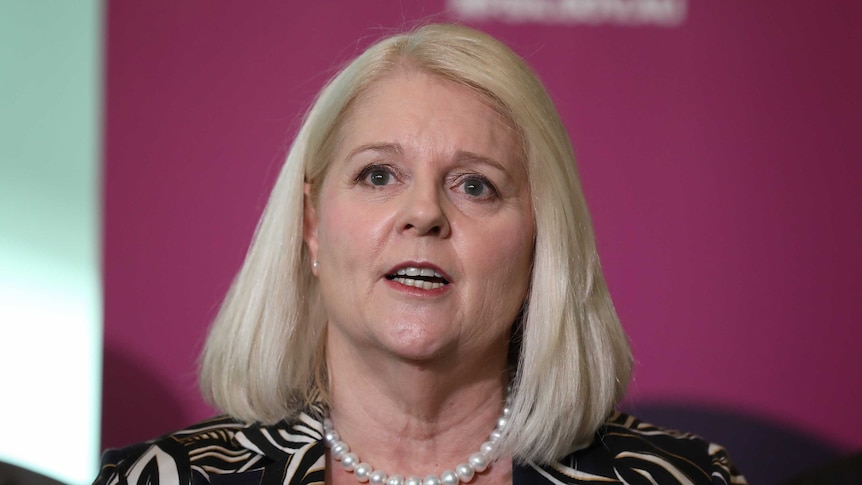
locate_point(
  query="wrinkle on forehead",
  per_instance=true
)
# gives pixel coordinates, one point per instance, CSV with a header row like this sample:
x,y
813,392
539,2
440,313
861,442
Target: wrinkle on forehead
x,y
408,69
379,88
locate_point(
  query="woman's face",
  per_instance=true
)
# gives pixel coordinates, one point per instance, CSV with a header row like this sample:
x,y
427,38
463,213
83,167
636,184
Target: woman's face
x,y
424,228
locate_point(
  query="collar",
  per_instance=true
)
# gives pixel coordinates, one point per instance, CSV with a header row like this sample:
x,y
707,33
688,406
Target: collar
x,y
286,438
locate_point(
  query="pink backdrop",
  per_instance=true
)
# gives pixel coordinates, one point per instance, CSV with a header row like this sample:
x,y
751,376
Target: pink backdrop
x,y
721,159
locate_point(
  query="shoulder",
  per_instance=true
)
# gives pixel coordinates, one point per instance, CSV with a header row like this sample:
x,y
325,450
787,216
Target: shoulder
x,y
627,450
223,450
172,458
674,453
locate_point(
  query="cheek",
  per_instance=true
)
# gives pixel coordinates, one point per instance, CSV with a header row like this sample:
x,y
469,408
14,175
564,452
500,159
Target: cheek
x,y
337,215
347,231
518,265
506,262
334,223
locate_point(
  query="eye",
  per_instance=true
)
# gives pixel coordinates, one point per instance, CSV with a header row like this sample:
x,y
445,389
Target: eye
x,y
375,175
478,187
474,187
379,177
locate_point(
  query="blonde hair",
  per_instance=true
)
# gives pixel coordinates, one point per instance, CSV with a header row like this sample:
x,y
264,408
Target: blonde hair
x,y
263,356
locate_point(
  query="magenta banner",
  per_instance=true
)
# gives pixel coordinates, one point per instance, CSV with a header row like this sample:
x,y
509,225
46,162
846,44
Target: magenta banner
x,y
719,143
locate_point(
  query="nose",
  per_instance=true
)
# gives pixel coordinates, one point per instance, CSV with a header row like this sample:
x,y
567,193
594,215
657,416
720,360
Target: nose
x,y
423,211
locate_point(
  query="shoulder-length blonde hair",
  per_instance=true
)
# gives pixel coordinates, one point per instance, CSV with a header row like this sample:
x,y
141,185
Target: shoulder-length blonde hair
x,y
263,357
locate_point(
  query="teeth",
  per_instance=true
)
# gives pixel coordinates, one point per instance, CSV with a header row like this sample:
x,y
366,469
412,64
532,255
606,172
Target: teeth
x,y
413,271
425,285
410,276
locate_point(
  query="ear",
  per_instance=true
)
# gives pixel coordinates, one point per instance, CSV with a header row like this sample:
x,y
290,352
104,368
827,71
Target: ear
x,y
309,224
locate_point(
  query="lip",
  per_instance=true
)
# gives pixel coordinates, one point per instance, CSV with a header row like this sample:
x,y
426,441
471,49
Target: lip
x,y
421,265
412,290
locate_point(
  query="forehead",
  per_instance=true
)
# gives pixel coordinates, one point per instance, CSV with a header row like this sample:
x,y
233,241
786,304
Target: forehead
x,y
421,109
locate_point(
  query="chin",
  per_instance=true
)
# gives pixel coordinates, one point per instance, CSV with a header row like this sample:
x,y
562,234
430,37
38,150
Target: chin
x,y
419,345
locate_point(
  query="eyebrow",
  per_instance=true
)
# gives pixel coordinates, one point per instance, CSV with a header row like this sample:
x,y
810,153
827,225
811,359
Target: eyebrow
x,y
390,148
474,158
462,156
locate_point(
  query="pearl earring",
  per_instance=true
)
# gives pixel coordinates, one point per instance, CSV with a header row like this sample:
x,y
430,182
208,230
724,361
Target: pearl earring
x,y
314,264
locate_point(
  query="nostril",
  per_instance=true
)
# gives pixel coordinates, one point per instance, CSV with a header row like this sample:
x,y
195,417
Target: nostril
x,y
437,229
424,219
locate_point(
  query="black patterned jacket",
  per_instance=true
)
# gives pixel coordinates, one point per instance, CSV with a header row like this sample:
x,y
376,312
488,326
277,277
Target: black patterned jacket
x,y
222,451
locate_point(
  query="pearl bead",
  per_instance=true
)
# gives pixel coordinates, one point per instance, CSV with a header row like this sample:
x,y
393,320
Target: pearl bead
x,y
331,437
431,480
448,478
349,461
362,472
478,461
465,472
413,480
487,447
339,449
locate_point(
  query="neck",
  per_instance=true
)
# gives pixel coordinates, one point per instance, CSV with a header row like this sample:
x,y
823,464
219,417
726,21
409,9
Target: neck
x,y
409,417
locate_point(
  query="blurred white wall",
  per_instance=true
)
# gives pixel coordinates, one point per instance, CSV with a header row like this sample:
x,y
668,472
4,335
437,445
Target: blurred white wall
x,y
50,278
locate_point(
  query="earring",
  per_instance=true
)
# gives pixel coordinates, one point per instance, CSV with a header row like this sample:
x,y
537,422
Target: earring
x,y
314,264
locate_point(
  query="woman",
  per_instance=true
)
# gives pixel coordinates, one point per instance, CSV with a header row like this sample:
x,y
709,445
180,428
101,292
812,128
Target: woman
x,y
422,301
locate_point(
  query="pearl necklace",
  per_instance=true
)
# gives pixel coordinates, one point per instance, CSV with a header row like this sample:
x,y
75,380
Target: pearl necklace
x,y
477,462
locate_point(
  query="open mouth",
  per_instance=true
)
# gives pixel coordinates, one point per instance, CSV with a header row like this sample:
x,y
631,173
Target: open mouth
x,y
424,278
